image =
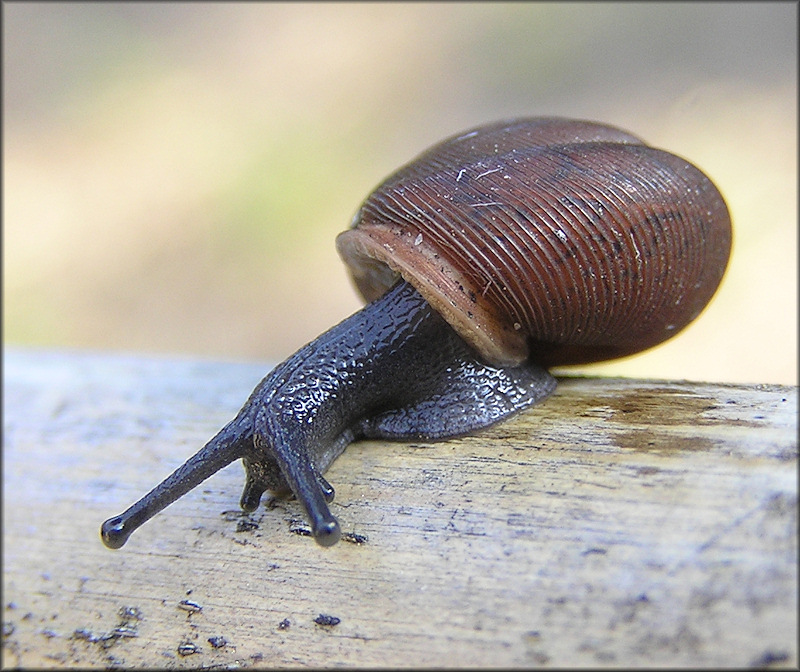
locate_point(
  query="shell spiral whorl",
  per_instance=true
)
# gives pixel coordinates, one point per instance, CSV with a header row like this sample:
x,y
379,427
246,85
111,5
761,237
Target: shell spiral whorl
x,y
569,241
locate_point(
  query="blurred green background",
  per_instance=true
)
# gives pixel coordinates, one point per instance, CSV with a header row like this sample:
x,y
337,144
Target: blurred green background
x,y
175,174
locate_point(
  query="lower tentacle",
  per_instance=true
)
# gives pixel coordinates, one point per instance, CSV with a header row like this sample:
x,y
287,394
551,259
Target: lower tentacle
x,y
309,487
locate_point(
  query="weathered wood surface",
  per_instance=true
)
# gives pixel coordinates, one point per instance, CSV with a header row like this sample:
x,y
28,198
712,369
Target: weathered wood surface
x,y
620,523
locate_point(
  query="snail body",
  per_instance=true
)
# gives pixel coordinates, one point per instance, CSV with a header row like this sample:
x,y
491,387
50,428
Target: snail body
x,y
494,255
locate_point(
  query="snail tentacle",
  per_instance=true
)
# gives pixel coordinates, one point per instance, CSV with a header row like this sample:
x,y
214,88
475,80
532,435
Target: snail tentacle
x,y
228,445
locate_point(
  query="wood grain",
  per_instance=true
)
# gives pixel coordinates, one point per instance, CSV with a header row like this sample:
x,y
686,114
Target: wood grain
x,y
620,523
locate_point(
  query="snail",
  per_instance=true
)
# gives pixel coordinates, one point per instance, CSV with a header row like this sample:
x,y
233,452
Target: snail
x,y
493,256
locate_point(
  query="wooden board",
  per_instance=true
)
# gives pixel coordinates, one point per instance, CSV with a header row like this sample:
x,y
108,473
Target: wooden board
x,y
620,523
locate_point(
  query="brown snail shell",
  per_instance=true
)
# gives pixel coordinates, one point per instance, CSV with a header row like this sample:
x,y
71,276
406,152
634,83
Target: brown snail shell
x,y
565,241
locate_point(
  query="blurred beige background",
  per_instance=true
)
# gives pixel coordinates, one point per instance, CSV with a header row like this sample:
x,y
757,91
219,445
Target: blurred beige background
x,y
175,174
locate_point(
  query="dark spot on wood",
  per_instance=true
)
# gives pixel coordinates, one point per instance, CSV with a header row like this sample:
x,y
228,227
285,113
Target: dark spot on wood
x,y
594,551
246,526
643,439
187,649
769,658
128,614
299,528
327,620
191,607
353,538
